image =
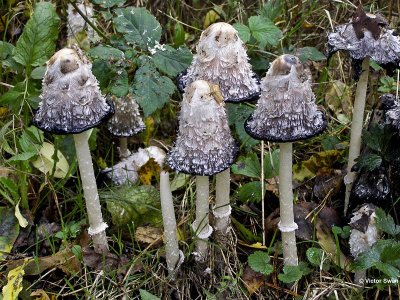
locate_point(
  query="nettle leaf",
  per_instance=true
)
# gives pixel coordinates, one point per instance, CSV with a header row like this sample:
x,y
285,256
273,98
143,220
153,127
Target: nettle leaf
x,y
309,53
264,31
109,3
386,223
139,27
250,191
120,84
151,89
172,61
237,114
106,53
37,42
290,274
243,31
368,162
259,262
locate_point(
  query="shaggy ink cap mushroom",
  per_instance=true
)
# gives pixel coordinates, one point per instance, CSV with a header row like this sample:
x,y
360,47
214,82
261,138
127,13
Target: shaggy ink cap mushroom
x,y
126,120
222,60
286,110
366,35
71,101
392,115
204,145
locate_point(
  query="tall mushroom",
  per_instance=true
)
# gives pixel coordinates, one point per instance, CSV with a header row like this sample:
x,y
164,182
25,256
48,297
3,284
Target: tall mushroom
x,y
71,102
365,36
286,112
125,122
204,147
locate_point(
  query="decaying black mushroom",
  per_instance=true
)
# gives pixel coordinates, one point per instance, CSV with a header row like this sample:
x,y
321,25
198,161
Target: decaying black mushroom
x,y
366,35
286,110
222,60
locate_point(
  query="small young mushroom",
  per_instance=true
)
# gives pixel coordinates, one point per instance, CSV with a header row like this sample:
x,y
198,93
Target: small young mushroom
x,y
71,102
286,112
365,36
364,234
222,60
125,122
76,24
204,147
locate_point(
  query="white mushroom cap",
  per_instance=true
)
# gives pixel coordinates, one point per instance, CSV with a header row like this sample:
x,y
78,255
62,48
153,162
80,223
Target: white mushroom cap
x,y
75,22
126,120
222,60
204,145
71,98
286,110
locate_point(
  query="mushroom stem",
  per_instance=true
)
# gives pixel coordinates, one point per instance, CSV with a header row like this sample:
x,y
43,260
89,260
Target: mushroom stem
x,y
222,209
262,179
359,278
200,226
356,129
168,215
123,148
287,225
97,228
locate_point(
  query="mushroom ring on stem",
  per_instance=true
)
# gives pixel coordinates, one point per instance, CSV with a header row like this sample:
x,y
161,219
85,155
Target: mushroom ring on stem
x,y
71,102
286,112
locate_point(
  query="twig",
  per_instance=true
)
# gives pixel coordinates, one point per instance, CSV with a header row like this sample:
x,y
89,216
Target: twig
x,y
6,85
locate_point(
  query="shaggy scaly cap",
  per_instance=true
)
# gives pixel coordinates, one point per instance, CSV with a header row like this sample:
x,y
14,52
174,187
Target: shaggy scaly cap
x,y
286,110
222,60
126,120
71,98
76,24
204,145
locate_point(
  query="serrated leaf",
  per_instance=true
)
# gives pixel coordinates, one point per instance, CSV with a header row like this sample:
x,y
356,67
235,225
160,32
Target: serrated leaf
x,y
264,31
250,191
120,85
370,258
388,269
172,61
368,162
290,274
243,31
385,222
377,138
272,9
145,295
9,230
309,53
6,50
109,3
106,53
37,42
151,89
139,26
391,253
259,262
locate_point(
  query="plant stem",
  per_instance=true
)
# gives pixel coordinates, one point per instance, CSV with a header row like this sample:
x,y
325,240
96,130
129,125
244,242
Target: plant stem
x,y
287,225
123,148
356,129
168,215
97,227
222,209
200,225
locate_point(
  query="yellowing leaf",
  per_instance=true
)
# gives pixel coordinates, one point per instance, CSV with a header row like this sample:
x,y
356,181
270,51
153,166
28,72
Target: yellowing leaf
x,y
211,17
21,219
148,171
14,284
45,162
40,295
257,245
339,99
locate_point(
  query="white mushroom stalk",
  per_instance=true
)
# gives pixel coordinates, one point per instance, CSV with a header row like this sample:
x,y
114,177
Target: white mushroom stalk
x,y
204,147
71,102
286,112
222,60
222,209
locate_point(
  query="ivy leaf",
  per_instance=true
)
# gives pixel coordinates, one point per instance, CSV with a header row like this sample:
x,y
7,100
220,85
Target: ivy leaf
x,y
172,61
109,3
243,31
250,191
259,262
120,84
290,274
309,53
37,42
264,31
106,53
386,223
151,89
139,27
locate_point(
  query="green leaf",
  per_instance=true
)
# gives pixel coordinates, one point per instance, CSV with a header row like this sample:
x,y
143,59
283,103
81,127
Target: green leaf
x,y
314,256
388,269
271,164
243,31
179,36
151,89
103,72
139,26
248,165
172,61
9,230
259,262
37,42
38,73
370,258
128,204
120,84
386,223
377,138
250,191
145,295
14,96
391,253
22,156
309,53
10,188
272,9
368,162
109,3
264,31
106,53
290,274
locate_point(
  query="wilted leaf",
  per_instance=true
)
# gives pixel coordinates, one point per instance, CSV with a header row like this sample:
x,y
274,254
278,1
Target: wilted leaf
x,y
138,205
328,183
14,283
172,61
259,262
21,219
264,31
138,26
45,162
252,280
243,31
37,42
9,230
149,170
40,295
339,99
149,235
151,89
147,296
